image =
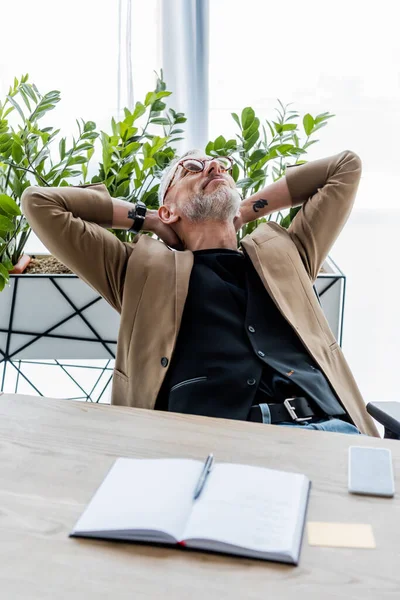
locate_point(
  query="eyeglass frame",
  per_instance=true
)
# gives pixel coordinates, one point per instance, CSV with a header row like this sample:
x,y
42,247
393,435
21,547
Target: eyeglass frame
x,y
201,160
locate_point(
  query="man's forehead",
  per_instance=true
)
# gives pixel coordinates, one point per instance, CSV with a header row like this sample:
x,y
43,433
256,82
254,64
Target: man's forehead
x,y
198,155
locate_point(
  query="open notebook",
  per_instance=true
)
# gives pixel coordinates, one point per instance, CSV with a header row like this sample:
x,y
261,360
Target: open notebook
x,y
243,510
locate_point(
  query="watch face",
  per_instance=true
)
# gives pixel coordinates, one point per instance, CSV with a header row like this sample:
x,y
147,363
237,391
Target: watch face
x,y
141,209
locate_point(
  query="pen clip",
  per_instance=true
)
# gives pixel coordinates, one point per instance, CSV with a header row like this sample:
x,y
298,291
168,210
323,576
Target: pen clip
x,y
203,476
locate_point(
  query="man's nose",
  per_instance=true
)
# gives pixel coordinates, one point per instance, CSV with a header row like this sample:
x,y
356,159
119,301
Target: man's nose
x,y
214,165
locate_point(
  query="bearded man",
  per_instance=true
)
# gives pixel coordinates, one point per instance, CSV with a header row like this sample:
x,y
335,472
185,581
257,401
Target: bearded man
x,y
208,328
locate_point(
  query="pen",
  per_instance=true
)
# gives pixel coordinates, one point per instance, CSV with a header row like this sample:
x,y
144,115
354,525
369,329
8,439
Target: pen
x,y
203,476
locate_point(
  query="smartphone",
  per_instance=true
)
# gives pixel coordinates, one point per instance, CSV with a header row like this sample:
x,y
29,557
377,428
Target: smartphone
x,y
370,471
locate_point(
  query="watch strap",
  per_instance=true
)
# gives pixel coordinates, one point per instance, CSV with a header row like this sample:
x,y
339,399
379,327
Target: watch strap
x,y
138,214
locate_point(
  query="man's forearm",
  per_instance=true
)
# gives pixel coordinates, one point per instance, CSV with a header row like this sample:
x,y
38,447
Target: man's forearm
x,y
273,197
121,208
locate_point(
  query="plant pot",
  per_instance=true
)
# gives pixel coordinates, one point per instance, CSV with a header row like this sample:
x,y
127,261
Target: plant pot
x,y
21,265
331,289
58,337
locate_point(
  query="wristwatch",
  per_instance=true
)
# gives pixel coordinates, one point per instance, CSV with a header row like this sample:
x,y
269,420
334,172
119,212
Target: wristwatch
x,y
138,214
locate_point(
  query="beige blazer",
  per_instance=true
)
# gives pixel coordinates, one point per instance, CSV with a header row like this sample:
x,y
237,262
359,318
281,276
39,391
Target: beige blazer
x,y
147,282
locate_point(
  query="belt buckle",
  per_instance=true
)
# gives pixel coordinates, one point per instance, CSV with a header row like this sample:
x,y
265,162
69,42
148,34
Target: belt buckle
x,y
292,411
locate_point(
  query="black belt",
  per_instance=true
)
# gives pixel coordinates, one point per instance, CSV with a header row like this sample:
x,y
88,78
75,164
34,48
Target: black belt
x,y
291,409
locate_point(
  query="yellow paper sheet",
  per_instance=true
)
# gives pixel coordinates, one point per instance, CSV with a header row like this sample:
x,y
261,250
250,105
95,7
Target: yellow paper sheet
x,y
340,535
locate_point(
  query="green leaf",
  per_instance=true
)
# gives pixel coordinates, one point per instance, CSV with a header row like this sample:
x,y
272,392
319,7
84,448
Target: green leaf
x,y
89,126
323,117
162,94
114,127
256,156
209,148
160,121
231,145
16,106
122,189
130,149
284,148
29,91
289,127
285,222
7,262
310,143
25,99
61,147
235,172
219,143
6,224
90,136
140,109
148,163
151,97
125,170
308,123
247,133
77,160
84,146
258,174
251,141
248,116
271,129
158,106
4,275
9,206
236,119
246,182
314,129
17,153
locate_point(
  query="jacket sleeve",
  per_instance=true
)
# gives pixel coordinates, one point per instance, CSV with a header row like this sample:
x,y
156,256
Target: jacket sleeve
x,y
71,222
326,188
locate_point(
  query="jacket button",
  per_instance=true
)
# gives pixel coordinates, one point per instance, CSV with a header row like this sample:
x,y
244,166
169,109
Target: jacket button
x,y
251,381
260,353
251,329
164,361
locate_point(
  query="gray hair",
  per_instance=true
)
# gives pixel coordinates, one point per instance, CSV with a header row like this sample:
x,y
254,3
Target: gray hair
x,y
170,171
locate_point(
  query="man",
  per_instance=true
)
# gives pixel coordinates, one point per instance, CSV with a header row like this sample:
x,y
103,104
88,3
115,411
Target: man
x,y
208,328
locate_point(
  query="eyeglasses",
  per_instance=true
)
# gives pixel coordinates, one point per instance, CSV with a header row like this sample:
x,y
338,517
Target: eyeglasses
x,y
196,165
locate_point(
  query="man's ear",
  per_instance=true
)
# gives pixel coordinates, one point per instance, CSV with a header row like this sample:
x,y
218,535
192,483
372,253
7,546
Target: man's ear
x,y
167,215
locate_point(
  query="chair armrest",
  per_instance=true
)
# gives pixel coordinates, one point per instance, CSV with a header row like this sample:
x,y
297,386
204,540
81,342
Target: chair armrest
x,y
388,414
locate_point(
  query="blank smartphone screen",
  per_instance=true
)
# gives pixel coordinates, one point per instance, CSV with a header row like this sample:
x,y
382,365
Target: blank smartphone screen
x,y
371,471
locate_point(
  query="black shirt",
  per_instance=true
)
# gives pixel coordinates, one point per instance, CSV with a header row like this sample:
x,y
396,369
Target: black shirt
x,y
235,348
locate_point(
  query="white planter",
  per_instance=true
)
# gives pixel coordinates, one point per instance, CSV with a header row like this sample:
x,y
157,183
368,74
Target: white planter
x,y
331,288
58,322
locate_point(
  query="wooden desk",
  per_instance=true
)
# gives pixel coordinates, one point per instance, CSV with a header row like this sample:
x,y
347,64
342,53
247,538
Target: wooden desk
x,y
54,454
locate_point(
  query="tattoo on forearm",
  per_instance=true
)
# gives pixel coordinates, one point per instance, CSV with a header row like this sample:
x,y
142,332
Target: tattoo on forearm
x,y
259,204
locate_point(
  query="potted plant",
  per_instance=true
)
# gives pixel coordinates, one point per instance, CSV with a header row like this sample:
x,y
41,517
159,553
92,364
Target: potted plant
x,y
66,318
79,324
262,151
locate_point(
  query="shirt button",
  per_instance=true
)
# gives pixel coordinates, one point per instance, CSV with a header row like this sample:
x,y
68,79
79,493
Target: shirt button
x,y
164,361
260,353
251,381
251,329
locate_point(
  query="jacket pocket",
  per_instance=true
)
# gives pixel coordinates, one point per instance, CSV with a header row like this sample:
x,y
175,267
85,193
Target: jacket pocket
x,y
120,389
187,382
121,375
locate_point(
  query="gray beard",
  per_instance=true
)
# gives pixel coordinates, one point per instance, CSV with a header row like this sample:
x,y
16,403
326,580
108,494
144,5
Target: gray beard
x,y
220,205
